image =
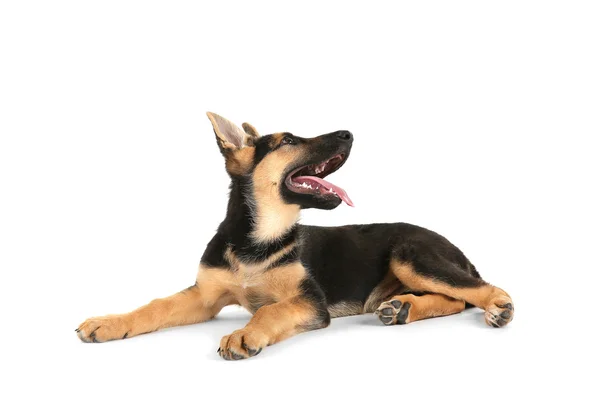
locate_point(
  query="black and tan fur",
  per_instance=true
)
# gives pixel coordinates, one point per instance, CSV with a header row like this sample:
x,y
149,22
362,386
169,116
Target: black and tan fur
x,y
294,278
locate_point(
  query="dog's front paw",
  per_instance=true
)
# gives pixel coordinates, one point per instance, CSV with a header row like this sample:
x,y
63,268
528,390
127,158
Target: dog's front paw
x,y
243,343
500,312
102,329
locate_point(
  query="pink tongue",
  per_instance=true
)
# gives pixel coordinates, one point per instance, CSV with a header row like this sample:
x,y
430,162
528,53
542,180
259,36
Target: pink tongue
x,y
324,186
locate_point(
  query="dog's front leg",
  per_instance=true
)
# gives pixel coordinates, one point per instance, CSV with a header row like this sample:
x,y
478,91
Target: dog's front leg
x,y
273,323
197,303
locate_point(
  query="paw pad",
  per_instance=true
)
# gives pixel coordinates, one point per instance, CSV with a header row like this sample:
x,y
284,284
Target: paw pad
x,y
393,312
499,314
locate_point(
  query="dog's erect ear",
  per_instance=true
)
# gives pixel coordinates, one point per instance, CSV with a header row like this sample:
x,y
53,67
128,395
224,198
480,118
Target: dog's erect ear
x,y
229,135
250,130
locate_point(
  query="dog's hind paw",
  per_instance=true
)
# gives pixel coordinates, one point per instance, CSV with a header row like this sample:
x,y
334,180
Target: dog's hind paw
x,y
500,312
393,312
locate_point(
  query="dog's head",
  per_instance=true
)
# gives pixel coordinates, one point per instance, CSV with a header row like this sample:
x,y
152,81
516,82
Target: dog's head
x,y
284,168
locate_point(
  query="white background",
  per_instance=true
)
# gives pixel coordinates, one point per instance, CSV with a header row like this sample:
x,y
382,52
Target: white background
x,y
475,119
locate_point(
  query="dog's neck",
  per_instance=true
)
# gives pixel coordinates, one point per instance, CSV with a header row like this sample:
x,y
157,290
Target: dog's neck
x,y
256,221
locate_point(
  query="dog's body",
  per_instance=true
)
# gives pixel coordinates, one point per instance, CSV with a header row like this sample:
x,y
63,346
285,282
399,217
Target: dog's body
x,y
294,278
352,263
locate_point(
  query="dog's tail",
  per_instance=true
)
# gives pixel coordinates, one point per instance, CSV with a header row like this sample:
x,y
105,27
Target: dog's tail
x,y
473,271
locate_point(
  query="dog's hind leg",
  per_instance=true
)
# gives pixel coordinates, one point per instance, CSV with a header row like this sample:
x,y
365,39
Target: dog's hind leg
x,y
197,303
443,277
406,308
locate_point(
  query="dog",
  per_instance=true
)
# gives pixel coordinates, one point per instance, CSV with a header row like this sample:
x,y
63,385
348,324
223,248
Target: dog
x,y
295,278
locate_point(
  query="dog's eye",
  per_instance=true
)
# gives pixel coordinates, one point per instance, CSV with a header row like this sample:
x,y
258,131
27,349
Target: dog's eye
x,y
287,140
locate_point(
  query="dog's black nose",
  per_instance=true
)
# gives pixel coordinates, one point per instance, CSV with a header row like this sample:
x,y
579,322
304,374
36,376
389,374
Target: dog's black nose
x,y
344,135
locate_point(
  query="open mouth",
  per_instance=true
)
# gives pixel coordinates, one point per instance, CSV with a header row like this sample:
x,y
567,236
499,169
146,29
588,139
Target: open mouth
x,y
309,179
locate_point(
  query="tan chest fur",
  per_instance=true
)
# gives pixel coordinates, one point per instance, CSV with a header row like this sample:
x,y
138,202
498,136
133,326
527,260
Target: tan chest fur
x,y
252,285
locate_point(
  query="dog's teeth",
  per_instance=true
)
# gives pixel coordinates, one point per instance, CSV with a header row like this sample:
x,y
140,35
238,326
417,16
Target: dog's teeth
x,y
320,168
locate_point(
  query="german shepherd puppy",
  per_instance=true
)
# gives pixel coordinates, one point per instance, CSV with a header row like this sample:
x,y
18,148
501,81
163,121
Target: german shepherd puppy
x,y
294,278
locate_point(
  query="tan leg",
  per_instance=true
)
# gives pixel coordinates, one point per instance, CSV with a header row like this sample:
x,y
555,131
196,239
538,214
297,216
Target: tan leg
x,y
271,324
189,306
406,308
496,302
